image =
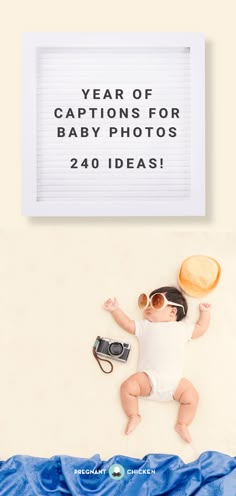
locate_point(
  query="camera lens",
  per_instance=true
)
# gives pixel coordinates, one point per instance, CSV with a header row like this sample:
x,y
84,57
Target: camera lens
x,y
115,348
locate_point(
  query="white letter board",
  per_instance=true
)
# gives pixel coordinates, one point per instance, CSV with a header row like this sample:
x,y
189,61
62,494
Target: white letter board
x,y
113,124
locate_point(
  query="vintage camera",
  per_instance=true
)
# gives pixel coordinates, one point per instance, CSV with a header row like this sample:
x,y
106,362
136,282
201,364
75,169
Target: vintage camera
x,y
108,348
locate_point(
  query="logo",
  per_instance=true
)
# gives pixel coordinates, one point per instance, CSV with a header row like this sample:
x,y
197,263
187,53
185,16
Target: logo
x,y
116,471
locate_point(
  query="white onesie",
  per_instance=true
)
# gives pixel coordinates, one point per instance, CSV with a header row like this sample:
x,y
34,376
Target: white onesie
x,y
161,354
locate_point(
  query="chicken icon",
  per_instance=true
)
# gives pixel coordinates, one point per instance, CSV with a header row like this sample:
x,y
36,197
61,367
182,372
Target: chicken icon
x,y
116,472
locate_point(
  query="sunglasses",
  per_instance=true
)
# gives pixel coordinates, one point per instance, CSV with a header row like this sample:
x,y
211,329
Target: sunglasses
x,y
158,301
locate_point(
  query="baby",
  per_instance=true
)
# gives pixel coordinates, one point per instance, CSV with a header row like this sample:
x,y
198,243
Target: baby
x,y
162,335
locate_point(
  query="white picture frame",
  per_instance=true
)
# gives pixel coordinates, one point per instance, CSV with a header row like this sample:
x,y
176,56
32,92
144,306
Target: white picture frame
x,y
191,205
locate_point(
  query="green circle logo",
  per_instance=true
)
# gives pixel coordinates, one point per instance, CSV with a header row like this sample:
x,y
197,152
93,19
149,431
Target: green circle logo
x,y
116,471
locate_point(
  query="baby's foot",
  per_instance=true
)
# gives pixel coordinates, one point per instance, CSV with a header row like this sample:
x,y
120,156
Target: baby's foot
x,y
183,432
132,423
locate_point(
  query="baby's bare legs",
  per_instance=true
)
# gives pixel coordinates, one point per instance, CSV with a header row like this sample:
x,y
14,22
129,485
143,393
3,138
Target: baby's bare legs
x,y
187,396
136,385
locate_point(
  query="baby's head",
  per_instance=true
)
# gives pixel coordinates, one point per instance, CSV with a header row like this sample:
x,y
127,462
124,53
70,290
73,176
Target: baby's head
x,y
173,308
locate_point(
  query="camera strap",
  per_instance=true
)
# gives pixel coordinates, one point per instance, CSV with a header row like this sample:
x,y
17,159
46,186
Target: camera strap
x,y
101,359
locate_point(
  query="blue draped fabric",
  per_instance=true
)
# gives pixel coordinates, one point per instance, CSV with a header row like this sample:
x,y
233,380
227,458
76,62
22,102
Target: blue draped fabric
x,y
212,474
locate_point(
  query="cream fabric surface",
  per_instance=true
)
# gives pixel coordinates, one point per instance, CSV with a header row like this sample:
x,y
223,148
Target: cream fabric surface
x,y
55,399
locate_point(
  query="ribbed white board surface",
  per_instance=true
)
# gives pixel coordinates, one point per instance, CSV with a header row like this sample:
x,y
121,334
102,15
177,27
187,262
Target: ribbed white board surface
x,y
62,73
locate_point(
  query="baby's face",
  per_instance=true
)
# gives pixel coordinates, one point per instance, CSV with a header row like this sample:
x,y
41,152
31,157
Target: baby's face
x,y
167,314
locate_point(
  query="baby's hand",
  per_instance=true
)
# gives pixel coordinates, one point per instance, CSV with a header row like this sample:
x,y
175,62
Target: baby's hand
x,y
111,305
205,307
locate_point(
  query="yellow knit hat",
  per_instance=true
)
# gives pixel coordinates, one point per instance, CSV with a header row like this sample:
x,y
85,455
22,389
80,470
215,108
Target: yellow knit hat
x,y
198,275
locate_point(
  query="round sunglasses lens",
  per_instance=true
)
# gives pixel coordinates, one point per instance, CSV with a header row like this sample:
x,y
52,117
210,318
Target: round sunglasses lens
x,y
158,301
142,301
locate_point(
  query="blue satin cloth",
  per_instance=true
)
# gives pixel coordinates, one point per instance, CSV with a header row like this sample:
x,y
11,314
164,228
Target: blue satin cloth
x,y
212,474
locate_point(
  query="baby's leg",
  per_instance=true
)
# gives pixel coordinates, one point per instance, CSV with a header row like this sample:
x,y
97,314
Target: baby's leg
x,y
187,396
136,385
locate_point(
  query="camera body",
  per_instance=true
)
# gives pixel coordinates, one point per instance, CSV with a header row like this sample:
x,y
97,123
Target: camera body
x,y
108,348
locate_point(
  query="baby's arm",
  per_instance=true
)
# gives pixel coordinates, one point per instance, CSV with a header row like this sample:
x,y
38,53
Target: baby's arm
x,y
119,316
203,321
